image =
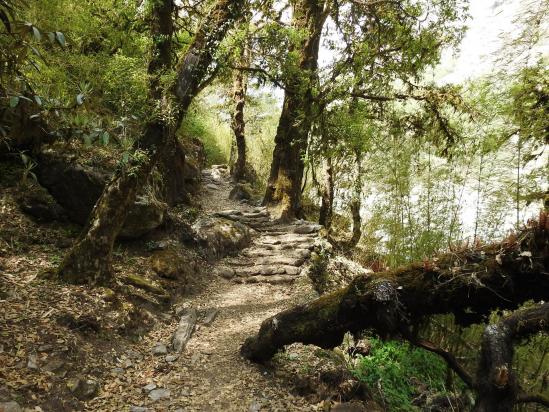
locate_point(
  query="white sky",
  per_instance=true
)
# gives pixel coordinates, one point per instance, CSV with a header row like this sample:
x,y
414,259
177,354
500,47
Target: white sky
x,y
489,20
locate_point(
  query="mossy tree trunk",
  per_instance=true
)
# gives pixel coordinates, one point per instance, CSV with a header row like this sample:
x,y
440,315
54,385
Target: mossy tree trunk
x,y
298,111
90,259
238,124
497,384
327,195
469,284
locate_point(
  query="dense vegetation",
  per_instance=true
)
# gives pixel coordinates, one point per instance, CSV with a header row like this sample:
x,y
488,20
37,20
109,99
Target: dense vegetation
x,y
335,112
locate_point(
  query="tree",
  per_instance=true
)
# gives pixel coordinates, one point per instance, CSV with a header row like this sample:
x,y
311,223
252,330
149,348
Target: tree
x,y
377,38
90,259
238,125
298,110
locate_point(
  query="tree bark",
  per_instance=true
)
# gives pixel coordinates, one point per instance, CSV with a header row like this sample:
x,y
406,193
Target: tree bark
x,y
497,385
90,259
327,195
469,284
238,124
284,184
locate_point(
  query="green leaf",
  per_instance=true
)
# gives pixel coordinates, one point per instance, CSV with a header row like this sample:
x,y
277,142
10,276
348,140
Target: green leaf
x,y
105,138
14,101
51,36
36,33
38,100
60,38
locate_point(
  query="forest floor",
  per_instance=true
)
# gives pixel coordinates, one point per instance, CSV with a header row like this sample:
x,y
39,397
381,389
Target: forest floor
x,y
60,343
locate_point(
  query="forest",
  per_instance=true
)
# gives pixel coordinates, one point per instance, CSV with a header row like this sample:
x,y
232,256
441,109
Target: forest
x,y
260,205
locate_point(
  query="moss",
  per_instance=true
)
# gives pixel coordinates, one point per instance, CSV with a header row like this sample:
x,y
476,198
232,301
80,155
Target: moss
x,y
142,283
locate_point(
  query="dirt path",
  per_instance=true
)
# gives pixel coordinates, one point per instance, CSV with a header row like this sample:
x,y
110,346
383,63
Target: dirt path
x,y
210,375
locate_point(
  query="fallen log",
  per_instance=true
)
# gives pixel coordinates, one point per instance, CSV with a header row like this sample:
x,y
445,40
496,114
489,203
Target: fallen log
x,y
469,283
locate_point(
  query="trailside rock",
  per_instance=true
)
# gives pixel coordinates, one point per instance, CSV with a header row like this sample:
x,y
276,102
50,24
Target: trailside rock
x,y
329,273
220,237
241,191
172,264
184,330
77,187
83,389
11,406
35,201
145,215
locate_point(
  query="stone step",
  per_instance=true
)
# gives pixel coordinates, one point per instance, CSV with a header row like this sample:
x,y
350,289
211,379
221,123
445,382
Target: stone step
x,y
280,260
266,270
273,280
296,253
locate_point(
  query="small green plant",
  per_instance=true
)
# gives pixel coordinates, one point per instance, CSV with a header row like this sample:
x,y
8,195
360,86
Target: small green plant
x,y
28,166
394,370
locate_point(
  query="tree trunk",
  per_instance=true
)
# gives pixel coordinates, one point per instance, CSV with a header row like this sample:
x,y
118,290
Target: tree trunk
x,y
469,284
327,195
497,385
284,185
90,259
237,124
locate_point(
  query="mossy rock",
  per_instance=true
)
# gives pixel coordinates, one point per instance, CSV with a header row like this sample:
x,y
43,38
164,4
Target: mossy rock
x,y
171,264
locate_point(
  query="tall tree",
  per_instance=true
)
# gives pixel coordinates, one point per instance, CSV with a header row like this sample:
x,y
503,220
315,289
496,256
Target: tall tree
x,y
90,259
298,111
238,125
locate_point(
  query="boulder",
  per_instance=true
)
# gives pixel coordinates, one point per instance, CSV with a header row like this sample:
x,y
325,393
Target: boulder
x,y
145,215
36,202
329,273
172,264
76,187
221,237
241,191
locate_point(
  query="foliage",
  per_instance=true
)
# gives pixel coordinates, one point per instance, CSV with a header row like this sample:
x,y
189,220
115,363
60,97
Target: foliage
x,y
395,371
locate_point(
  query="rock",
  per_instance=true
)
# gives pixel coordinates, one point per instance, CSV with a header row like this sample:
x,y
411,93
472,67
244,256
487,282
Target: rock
x,y
329,273
35,201
172,264
171,358
76,187
254,407
117,371
138,409
220,237
54,365
209,316
349,407
241,191
305,229
32,362
149,387
159,349
220,172
211,186
83,389
225,272
10,406
184,330
145,215
160,393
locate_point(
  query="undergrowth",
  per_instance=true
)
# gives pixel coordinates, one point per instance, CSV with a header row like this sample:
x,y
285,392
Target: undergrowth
x,y
398,373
